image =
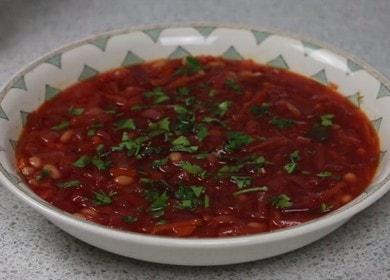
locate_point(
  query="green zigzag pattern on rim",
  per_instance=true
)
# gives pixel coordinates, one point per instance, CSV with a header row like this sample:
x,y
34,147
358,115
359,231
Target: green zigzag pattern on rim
x,y
153,33
356,99
321,77
20,84
353,66
3,115
131,58
383,92
14,179
260,36
12,143
179,52
205,31
232,53
278,62
101,43
51,92
24,115
87,73
377,123
55,60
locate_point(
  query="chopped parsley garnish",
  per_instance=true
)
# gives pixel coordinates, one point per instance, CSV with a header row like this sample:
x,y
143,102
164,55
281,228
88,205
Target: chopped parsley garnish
x,y
76,111
324,174
250,190
180,109
127,124
159,162
101,198
237,140
68,184
201,131
82,162
132,146
325,207
185,123
158,205
223,107
241,181
282,123
233,85
92,129
292,165
327,120
182,144
226,170
193,169
191,66
100,163
61,126
213,120
162,125
129,219
189,196
281,201
189,101
158,95
43,174
183,91
260,110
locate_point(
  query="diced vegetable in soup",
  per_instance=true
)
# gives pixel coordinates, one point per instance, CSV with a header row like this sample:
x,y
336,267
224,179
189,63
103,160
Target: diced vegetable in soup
x,y
198,147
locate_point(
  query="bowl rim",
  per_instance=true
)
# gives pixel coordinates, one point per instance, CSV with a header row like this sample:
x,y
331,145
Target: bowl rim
x,y
340,215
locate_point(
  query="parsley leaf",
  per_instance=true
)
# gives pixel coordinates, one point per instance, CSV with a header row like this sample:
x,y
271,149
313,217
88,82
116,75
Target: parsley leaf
x,y
223,107
281,201
233,85
162,124
327,120
324,174
158,205
101,198
226,170
237,140
133,146
250,190
180,109
61,126
282,123
68,184
125,124
241,181
189,196
82,162
260,110
129,219
201,131
159,162
191,66
43,174
183,91
292,165
182,144
75,111
193,169
157,94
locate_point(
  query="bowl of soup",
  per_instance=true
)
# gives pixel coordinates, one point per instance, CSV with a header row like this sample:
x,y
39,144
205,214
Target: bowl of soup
x,y
196,144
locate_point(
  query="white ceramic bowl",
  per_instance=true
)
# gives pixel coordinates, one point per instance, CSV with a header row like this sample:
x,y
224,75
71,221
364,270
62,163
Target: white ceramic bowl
x,y
45,77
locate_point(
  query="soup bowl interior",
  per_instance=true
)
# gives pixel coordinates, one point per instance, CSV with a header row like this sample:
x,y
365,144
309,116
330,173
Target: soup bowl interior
x,y
47,76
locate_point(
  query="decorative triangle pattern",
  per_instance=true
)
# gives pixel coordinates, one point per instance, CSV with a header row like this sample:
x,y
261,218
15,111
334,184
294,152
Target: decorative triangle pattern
x,y
232,53
87,73
321,77
205,31
353,66
3,115
101,43
383,92
55,60
260,36
356,99
278,62
24,116
179,52
377,123
20,84
12,143
309,47
131,58
14,179
51,92
154,33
